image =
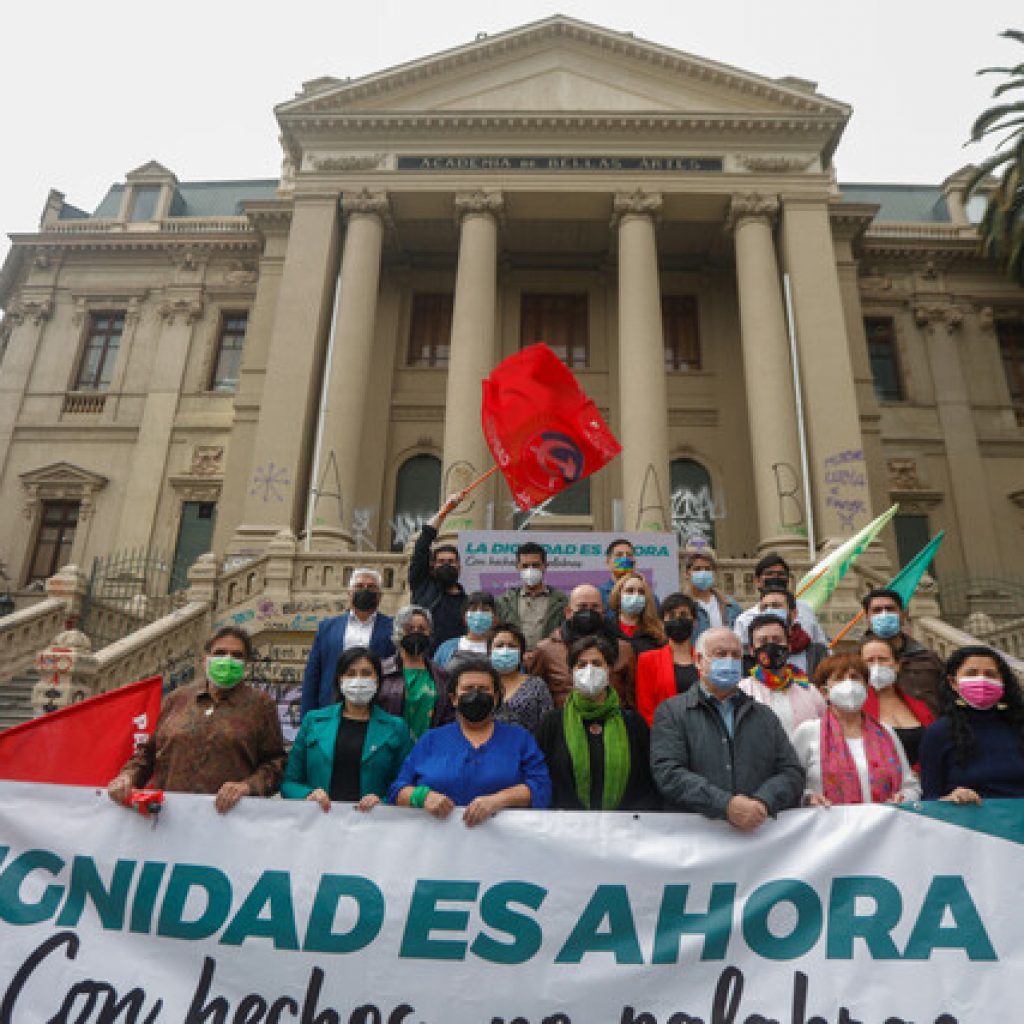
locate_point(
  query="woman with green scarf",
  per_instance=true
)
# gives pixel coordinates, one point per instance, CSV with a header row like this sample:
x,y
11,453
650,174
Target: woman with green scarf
x,y
598,752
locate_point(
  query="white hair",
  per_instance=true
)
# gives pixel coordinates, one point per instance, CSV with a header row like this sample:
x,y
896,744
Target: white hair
x,y
701,646
405,615
372,573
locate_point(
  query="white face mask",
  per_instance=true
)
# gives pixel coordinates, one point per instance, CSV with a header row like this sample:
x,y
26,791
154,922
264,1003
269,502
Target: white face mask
x,y
848,694
531,577
358,690
590,680
882,676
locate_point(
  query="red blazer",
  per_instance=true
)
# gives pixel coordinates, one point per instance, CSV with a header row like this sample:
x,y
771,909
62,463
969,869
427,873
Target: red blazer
x,y
655,680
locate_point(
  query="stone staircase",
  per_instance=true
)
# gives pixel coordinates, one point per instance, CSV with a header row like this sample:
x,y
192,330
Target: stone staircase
x,y
281,597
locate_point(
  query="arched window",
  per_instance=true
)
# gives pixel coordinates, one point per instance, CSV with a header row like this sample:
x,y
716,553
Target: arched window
x,y
693,505
417,497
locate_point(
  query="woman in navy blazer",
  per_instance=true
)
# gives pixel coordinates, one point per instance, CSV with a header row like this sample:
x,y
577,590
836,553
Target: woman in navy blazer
x,y
352,750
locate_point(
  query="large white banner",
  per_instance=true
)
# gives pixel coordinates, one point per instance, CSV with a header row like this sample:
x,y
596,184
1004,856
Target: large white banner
x,y
280,913
574,557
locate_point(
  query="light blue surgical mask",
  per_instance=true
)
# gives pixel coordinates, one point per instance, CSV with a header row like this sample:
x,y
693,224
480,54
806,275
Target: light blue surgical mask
x,y
725,673
780,613
479,622
885,624
633,604
702,579
505,659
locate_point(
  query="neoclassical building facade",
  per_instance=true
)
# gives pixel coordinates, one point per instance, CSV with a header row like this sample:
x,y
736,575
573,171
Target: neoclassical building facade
x,y
194,366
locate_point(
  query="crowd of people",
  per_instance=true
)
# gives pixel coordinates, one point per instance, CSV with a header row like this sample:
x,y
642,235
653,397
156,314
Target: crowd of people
x,y
599,699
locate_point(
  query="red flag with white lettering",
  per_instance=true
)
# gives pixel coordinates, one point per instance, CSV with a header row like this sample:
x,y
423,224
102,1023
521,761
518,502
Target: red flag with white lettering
x,y
85,744
543,430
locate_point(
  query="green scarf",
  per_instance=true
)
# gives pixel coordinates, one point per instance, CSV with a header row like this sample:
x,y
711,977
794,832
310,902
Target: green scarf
x,y
420,698
579,710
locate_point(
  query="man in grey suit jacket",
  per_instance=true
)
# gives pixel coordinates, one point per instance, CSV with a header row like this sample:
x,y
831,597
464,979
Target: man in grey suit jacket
x,y
717,752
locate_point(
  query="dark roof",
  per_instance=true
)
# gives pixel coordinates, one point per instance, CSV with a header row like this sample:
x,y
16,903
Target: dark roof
x,y
915,203
200,198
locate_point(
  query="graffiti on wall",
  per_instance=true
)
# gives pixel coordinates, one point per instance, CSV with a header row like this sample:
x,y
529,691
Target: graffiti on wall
x,y
694,511
846,486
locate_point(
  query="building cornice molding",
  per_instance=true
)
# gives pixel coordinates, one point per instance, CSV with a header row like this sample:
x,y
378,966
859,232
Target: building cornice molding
x,y
58,481
177,245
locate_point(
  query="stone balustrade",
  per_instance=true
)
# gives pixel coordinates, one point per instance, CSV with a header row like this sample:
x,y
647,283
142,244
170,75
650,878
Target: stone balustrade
x,y
24,633
944,639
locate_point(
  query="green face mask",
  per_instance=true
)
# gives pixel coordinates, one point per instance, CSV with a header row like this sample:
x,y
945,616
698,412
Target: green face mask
x,y
224,671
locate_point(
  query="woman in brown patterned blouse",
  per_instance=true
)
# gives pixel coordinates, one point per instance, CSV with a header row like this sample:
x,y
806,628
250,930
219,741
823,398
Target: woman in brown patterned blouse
x,y
218,736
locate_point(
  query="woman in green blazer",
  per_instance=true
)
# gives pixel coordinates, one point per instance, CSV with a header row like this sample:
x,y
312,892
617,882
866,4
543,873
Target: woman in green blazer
x,y
352,750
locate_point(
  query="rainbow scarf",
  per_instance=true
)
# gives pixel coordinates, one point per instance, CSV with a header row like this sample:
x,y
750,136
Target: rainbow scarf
x,y
780,681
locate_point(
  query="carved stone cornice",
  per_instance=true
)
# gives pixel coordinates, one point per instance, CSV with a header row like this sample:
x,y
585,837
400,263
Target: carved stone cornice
x,y
481,200
32,309
752,205
636,204
188,310
774,163
195,488
61,481
350,162
938,314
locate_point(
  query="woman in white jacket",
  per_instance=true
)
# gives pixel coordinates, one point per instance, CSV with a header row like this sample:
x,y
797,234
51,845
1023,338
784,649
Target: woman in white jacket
x,y
849,756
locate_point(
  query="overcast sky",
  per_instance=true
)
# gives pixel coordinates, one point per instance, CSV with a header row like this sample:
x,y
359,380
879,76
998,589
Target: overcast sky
x,y
92,90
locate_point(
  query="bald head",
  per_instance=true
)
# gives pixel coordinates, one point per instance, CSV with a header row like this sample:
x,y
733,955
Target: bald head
x,y
584,596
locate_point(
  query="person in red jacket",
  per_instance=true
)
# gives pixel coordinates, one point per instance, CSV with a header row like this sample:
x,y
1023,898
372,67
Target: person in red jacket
x,y
669,670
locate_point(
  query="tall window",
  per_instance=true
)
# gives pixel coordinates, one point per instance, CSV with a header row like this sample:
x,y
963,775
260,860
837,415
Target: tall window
x,y
559,320
885,367
97,365
912,534
1011,348
573,501
53,542
417,495
144,200
195,536
430,329
682,336
693,504
229,351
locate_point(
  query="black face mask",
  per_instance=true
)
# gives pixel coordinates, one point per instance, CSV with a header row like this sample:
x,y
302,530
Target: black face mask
x,y
446,575
365,600
772,656
586,622
415,644
476,705
679,630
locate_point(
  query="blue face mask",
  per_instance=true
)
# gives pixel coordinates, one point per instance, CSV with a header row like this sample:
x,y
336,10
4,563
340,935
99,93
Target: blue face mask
x,y
505,659
479,622
885,624
633,604
702,579
725,673
779,613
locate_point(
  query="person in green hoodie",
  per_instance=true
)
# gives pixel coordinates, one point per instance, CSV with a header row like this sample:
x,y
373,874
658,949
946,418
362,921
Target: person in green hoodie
x,y
351,751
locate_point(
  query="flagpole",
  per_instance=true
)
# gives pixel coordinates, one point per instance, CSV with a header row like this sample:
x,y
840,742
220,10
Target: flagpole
x,y
846,629
801,427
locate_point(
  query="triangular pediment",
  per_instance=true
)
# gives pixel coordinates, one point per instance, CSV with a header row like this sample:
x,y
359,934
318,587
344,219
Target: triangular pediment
x,y
64,474
561,65
152,170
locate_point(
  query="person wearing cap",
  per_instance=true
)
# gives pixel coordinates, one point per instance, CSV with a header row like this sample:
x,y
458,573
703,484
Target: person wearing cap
x,y
714,608
772,572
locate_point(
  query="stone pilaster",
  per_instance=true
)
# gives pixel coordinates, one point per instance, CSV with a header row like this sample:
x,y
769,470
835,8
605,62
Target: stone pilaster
x,y
472,354
351,365
768,377
643,397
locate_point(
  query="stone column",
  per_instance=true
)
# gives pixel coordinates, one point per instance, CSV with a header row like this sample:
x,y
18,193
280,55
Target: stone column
x,y
472,354
842,499
941,322
768,377
276,484
351,365
643,397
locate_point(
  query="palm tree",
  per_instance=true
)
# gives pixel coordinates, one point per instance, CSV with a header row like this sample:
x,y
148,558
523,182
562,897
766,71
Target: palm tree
x,y
1002,226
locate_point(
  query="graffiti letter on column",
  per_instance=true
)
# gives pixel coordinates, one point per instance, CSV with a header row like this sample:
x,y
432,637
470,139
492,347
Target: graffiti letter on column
x,y
362,535
406,525
328,486
269,482
650,513
458,476
787,486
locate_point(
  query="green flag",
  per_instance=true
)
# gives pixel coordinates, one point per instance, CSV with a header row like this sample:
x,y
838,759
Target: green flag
x,y
906,580
817,585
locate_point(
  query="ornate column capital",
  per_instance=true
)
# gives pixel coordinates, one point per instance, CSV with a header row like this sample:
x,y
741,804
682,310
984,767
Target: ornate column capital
x,y
752,204
366,201
480,200
190,310
938,315
638,203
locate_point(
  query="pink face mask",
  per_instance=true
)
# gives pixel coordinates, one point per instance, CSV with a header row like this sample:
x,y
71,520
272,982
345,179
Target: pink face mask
x,y
980,691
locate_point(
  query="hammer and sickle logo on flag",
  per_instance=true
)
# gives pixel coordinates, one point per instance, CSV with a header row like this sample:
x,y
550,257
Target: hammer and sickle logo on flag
x,y
558,455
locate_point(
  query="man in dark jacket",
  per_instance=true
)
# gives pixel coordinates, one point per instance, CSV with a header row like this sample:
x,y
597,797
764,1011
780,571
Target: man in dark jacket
x,y
434,578
717,752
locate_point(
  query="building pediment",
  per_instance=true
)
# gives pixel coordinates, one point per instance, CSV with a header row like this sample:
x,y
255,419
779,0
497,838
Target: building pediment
x,y
561,65
64,474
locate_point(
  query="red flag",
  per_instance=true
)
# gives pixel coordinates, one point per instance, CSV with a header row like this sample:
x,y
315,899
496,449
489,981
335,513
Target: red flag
x,y
85,744
543,430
